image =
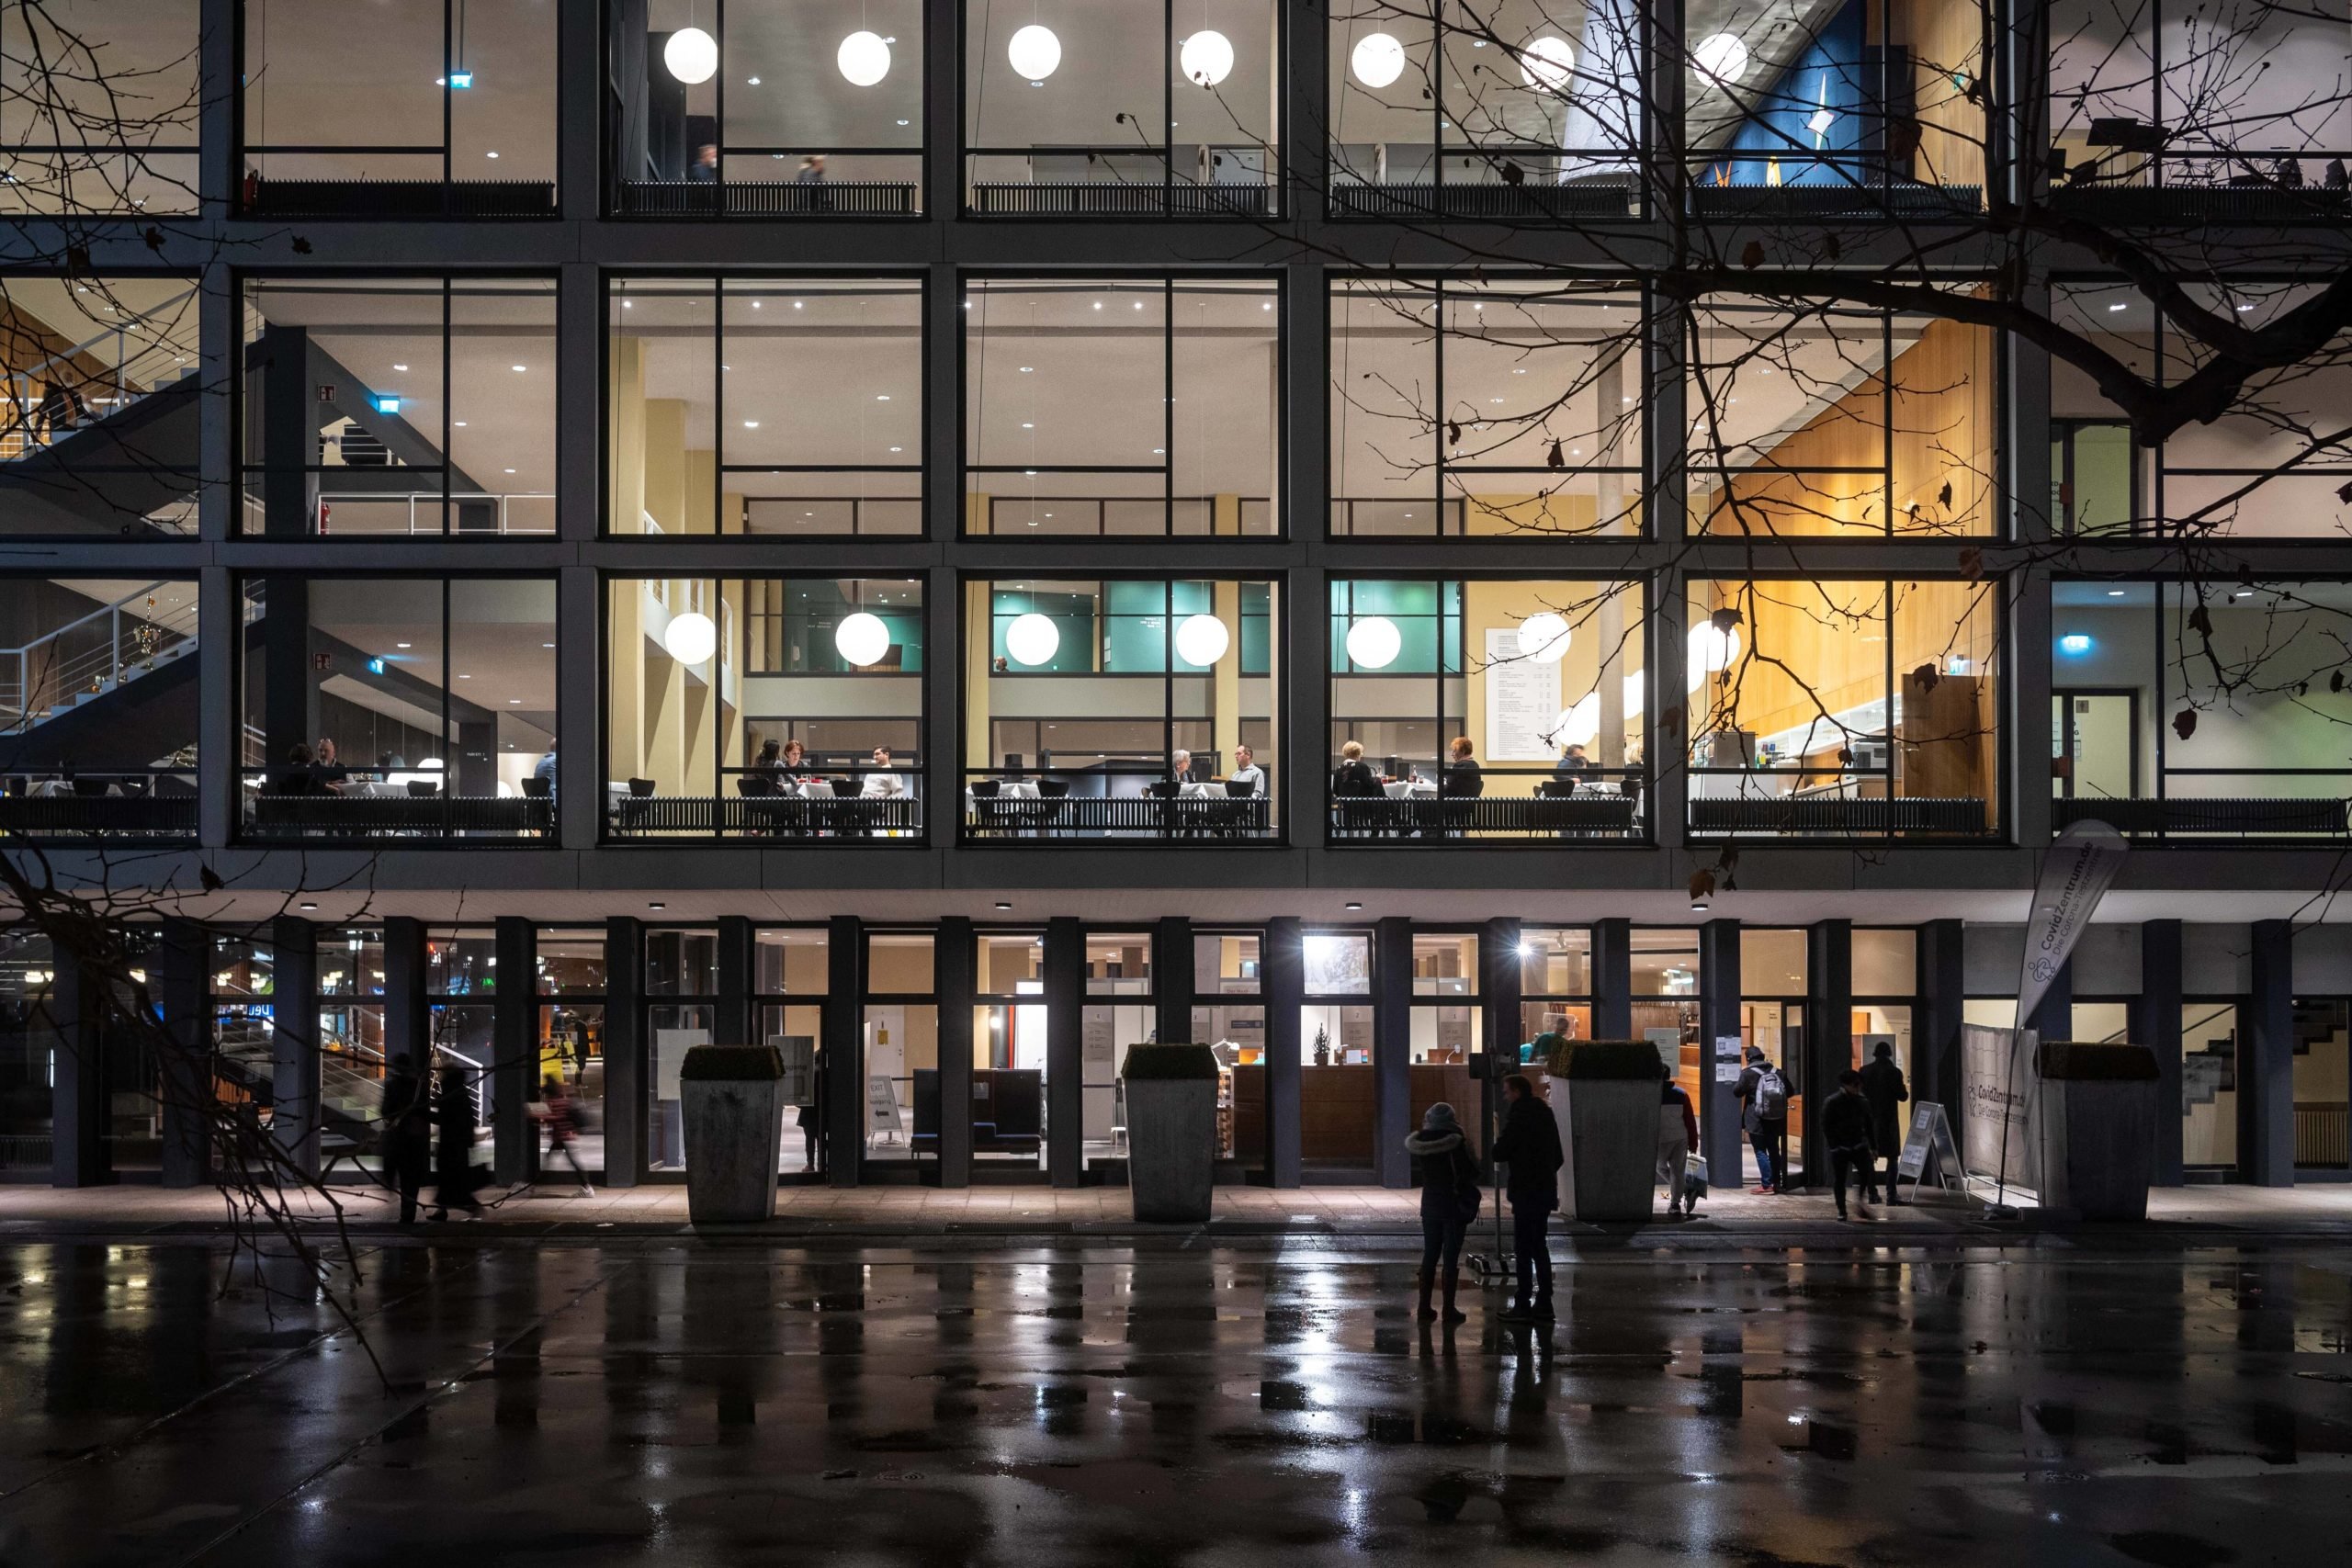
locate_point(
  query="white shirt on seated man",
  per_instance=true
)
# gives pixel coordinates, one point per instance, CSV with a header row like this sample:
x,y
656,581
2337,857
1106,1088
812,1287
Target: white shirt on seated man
x,y
882,783
1246,771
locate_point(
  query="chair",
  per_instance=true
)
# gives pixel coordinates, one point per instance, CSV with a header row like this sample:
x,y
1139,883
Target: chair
x,y
1053,800
642,788
536,787
422,788
987,807
89,787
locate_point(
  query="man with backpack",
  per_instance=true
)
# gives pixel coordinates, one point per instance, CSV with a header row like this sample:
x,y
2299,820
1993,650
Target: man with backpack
x,y
1764,1115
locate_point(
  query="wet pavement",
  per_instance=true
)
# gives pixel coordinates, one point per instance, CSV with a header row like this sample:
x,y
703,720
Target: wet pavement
x,y
2059,1401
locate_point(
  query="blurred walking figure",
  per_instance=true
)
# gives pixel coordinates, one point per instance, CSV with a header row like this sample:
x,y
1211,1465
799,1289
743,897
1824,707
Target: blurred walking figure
x,y
453,1179
563,1117
1529,1147
1677,1134
1450,1194
1883,1087
407,1149
1845,1128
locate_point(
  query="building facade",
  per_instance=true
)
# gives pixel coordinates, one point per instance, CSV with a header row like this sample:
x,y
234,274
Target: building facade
x,y
888,538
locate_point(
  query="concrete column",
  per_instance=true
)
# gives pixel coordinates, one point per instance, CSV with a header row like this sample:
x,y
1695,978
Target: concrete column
x,y
731,1020
942,676
844,1053
184,974
1719,1043
1172,979
580,82
515,1051
294,1108
1282,979
1392,1050
624,1051
2156,1023
942,135
1942,987
218,707
951,982
2266,1060
77,1151
408,1017
1499,981
1828,1032
1612,979
579,762
1304,88
1065,976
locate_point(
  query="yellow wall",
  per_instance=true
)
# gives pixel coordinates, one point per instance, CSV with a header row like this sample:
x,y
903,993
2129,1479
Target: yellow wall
x,y
1486,604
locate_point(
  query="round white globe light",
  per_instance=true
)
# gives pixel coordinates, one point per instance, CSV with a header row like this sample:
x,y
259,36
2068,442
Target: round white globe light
x,y
1032,639
1206,57
691,637
864,58
1201,639
692,56
1547,63
1722,58
1377,59
1710,652
862,639
1580,724
1035,51
1632,697
1374,642
1544,638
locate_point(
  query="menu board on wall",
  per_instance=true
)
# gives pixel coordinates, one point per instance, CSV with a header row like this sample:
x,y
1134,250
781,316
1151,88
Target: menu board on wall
x,y
1522,701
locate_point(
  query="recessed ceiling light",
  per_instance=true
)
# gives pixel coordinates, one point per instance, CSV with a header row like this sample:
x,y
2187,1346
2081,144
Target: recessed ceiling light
x,y
307,905
751,81
547,644
655,904
2115,593
1005,904
493,154
400,366
1353,905
520,369
401,645
751,424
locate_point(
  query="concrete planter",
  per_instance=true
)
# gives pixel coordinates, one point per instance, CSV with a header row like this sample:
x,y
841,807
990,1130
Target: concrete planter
x,y
1171,1148
733,1129
2099,1147
1608,1139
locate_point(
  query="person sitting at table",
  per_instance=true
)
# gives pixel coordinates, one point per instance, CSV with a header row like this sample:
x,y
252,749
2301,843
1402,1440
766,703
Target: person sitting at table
x,y
1180,767
1462,776
330,773
546,769
1572,761
760,779
1353,779
882,783
793,763
300,777
1246,771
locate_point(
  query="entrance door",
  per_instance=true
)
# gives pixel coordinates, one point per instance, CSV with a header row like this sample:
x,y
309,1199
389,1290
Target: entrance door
x,y
2095,738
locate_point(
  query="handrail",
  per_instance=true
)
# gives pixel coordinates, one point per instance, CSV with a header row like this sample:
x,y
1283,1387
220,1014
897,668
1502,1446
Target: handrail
x,y
410,497
97,668
118,331
21,390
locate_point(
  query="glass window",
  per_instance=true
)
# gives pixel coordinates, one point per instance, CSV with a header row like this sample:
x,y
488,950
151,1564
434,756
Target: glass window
x,y
429,109
765,708
1118,964
1337,963
1121,708
1227,964
769,407
785,108
1819,419
1485,408
412,704
2209,1085
898,964
672,1029
95,745
900,1028
1666,963
1486,710
1771,963
1123,406
792,960
1555,961
76,356
1009,1062
569,1022
1886,962
1518,110
99,107
399,407
681,960
1869,107
1073,110
2199,711
1445,964
2323,1102
1843,708
351,1027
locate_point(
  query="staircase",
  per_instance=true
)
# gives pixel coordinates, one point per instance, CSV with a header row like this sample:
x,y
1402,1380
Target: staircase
x,y
84,660
102,436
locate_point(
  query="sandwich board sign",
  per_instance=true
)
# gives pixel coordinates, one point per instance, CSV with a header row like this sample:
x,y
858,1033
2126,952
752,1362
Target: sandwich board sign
x,y
1930,1135
882,1106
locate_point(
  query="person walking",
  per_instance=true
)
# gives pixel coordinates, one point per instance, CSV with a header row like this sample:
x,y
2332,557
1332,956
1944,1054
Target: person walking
x,y
407,1147
1763,1094
562,1118
453,1183
1528,1151
1450,1194
1846,1129
1883,1087
1677,1134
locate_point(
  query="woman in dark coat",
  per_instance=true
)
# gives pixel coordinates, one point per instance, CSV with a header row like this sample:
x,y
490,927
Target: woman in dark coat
x,y
1450,1192
1883,1087
453,1177
407,1148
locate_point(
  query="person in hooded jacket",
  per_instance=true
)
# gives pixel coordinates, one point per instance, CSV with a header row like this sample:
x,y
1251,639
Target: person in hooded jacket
x,y
1883,1087
1450,1193
1529,1147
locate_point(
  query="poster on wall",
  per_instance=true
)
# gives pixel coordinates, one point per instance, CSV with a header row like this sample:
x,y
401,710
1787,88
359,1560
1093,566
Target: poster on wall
x,y
1522,701
1999,1095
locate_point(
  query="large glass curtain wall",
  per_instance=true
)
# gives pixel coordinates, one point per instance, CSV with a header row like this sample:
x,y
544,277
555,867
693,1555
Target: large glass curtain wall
x,y
767,406
461,997
1447,1028
1068,111
764,708
680,1011
1852,708
1119,1014
1123,406
569,1035
1336,1047
399,407
1124,707
790,975
99,107
1009,1071
1554,989
1523,108
2273,465
1489,408
425,108
1228,1018
1811,419
2193,711
901,1041
1486,710
407,705
764,108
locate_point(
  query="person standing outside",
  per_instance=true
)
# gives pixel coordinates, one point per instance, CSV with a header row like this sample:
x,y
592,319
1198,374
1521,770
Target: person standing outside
x,y
1845,1128
1764,1114
453,1177
407,1148
1677,1134
1883,1087
1528,1151
1450,1193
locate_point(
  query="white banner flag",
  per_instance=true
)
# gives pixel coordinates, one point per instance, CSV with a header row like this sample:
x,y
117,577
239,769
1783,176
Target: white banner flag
x,y
2075,872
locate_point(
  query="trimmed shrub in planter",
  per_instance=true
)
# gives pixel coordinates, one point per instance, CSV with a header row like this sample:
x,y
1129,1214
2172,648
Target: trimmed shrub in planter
x,y
2098,1128
1171,1132
1605,1096
734,1124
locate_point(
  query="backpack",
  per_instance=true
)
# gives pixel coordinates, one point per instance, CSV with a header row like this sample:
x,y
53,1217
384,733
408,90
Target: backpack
x,y
1772,1096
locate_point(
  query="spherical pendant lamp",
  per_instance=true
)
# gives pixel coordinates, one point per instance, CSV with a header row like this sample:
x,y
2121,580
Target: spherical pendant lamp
x,y
1035,51
1580,724
1710,652
1377,59
692,56
1547,63
1206,58
863,58
690,638
1201,639
1721,59
1374,642
862,639
1032,639
1544,638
